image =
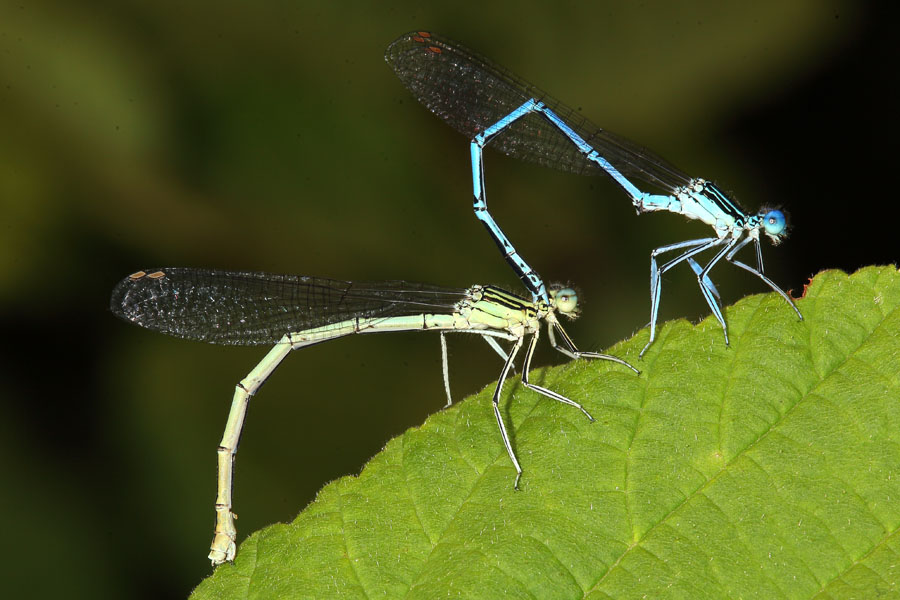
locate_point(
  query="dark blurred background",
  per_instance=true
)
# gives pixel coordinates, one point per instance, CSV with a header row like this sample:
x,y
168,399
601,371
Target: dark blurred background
x,y
275,138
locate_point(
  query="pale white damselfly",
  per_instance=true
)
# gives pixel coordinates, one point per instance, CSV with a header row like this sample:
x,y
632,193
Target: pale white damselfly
x,y
293,311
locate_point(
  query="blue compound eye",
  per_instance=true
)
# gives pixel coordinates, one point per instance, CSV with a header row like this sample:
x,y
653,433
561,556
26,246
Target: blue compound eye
x,y
774,223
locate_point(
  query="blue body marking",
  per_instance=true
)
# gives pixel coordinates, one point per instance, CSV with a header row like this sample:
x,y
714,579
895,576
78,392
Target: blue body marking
x,y
482,100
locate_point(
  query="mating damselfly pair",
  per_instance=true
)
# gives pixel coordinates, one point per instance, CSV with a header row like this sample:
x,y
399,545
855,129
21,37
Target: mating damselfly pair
x,y
491,106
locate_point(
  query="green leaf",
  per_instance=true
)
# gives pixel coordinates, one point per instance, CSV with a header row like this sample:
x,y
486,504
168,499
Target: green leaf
x,y
767,469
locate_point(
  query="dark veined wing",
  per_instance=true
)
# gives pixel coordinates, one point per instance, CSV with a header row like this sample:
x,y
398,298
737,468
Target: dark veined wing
x,y
470,93
247,308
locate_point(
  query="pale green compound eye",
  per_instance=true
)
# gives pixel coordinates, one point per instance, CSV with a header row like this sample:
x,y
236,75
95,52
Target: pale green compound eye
x,y
566,300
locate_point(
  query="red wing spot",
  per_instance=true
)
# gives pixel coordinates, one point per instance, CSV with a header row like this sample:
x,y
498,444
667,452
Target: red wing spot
x,y
135,276
157,275
424,34
418,39
434,49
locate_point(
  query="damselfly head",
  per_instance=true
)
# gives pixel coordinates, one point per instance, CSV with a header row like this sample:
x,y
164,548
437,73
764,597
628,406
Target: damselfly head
x,y
774,223
565,301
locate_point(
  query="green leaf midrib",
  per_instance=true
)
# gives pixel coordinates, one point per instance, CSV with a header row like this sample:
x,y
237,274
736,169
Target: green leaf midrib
x,y
766,468
822,379
501,455
509,389
700,488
